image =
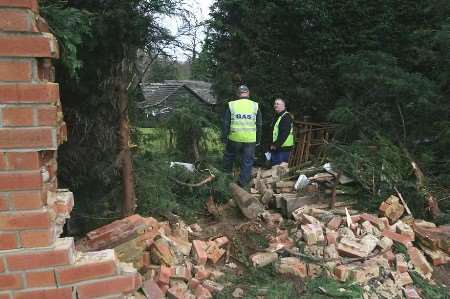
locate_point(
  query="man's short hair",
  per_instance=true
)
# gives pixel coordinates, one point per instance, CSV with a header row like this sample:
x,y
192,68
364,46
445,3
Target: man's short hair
x,y
280,99
243,89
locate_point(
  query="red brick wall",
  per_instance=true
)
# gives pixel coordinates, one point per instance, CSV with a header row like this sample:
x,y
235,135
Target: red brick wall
x,y
34,261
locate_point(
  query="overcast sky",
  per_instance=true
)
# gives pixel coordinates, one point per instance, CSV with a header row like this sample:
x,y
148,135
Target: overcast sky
x,y
200,8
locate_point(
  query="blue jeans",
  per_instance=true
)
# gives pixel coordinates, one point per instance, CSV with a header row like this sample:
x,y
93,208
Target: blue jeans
x,y
246,151
279,156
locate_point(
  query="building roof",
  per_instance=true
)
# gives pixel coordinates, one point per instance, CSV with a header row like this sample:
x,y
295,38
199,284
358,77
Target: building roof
x,y
156,93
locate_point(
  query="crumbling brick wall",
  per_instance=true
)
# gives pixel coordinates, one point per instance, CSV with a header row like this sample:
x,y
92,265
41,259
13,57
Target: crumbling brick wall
x,y
34,261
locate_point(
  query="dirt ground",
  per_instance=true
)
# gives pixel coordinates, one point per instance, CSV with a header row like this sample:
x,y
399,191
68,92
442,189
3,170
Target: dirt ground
x,y
247,237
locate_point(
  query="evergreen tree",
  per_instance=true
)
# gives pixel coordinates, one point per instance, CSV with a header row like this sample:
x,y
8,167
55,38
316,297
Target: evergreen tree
x,y
93,161
379,69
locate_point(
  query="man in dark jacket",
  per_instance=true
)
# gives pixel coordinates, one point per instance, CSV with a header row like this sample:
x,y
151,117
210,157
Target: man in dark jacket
x,y
241,132
282,134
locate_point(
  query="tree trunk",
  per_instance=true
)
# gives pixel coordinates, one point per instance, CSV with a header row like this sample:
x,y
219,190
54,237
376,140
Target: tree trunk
x,y
249,205
195,150
129,197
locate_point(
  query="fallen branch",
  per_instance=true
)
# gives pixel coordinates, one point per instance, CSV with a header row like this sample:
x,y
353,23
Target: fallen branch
x,y
403,202
199,184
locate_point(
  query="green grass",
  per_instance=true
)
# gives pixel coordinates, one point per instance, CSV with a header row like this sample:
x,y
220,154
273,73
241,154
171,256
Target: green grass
x,y
429,291
324,287
259,282
157,140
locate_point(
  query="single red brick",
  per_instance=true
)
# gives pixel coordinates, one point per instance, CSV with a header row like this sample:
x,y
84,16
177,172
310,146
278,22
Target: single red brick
x,y
405,240
32,259
4,201
30,4
341,272
120,230
29,93
334,223
28,46
182,272
59,293
350,248
15,70
8,241
331,236
3,163
20,180
25,220
419,261
2,265
47,116
27,200
374,220
15,20
39,279
164,274
91,270
17,117
23,160
199,250
10,281
214,253
37,238
110,286
41,137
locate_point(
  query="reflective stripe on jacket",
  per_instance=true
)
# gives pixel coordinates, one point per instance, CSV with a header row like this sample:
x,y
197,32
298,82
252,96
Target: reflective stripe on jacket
x,y
243,120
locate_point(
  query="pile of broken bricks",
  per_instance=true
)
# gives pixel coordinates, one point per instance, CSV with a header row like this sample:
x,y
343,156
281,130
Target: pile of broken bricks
x,y
171,264
340,243
357,247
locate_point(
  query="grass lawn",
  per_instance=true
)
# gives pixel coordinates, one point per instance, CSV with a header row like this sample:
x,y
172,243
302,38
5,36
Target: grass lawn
x,y
157,140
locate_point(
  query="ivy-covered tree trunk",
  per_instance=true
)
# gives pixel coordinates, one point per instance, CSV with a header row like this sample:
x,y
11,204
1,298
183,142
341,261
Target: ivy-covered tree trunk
x,y
121,89
129,200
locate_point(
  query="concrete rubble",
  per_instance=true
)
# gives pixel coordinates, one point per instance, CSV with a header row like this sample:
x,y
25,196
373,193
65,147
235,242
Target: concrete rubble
x,y
340,242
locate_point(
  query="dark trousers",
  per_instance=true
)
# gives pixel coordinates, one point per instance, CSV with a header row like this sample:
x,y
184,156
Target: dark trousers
x,y
280,156
246,151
